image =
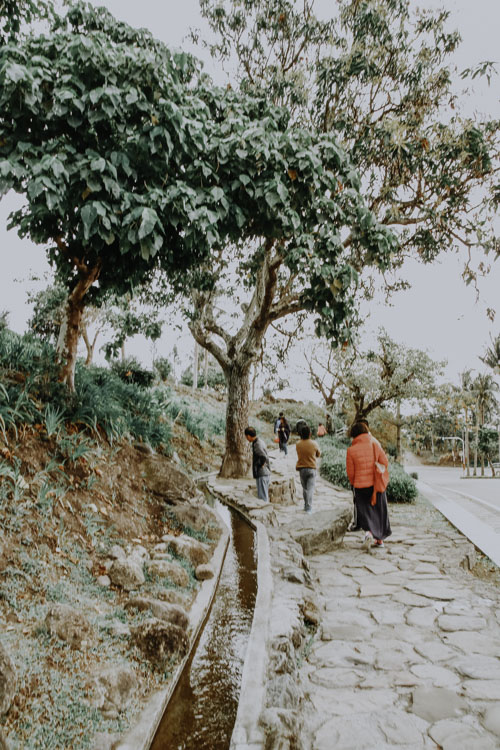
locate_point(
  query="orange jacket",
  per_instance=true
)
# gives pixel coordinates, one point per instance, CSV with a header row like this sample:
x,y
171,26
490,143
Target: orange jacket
x,y
360,461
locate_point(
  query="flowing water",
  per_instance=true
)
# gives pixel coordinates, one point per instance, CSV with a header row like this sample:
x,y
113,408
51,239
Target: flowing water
x,y
202,710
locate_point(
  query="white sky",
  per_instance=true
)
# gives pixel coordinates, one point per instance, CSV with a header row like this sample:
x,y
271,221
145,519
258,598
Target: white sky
x,y
439,313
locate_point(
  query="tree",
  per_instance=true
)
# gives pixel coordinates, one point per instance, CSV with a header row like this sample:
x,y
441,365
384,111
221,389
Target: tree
x,y
484,388
492,355
303,193
371,379
377,75
118,146
117,317
16,13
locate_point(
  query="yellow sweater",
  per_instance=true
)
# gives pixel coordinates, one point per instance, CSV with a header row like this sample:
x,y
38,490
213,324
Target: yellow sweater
x,y
307,452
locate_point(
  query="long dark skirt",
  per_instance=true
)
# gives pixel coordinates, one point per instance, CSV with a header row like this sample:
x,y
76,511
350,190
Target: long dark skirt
x,y
374,518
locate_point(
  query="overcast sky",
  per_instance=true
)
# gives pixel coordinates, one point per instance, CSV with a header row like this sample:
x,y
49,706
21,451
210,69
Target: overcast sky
x,y
439,313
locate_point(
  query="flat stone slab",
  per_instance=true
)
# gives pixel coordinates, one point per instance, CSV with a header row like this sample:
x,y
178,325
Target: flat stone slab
x,y
435,651
410,599
321,531
482,690
375,589
452,623
333,677
432,589
473,643
395,729
456,735
428,568
433,704
381,567
437,676
479,667
421,617
491,719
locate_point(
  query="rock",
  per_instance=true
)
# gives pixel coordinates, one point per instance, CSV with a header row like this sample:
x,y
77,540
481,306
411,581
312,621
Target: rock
x,y
117,553
483,690
479,667
190,549
113,688
127,573
165,478
491,719
421,617
103,581
118,629
196,517
104,741
434,651
435,675
8,680
282,492
144,448
432,589
160,641
173,571
161,610
473,643
434,704
68,624
4,745
204,572
138,552
451,623
455,735
173,596
321,531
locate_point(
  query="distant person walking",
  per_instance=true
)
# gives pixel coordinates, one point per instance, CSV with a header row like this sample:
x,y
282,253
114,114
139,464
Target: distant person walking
x,y
371,507
307,453
321,430
261,468
284,435
277,422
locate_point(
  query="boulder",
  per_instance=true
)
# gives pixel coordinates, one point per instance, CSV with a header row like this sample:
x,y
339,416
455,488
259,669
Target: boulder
x,y
8,681
127,573
190,549
323,530
435,704
171,570
160,641
117,553
282,492
204,572
164,611
165,478
68,624
113,688
197,517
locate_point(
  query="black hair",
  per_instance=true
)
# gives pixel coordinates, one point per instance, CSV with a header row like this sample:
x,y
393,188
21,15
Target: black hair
x,y
364,420
250,431
358,428
305,432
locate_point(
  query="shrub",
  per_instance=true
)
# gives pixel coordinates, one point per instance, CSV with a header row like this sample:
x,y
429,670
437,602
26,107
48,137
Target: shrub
x,y
162,367
401,487
414,474
335,473
130,370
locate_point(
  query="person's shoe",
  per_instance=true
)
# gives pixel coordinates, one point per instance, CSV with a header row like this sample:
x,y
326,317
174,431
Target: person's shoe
x,y
367,541
309,511
378,543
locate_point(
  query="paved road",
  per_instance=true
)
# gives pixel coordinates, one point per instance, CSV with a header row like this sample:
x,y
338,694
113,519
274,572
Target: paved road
x,y
472,505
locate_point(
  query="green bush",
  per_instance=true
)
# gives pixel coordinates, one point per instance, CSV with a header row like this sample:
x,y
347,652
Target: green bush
x,y
130,370
414,474
401,487
335,473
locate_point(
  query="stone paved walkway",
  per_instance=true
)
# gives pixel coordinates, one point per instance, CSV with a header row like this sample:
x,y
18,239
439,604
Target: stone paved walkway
x,y
409,650
407,654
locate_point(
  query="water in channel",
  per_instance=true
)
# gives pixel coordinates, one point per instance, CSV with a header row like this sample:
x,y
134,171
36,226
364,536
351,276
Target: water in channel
x,y
202,710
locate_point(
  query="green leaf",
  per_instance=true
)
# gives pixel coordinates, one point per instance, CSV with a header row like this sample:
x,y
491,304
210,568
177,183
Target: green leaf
x,y
148,223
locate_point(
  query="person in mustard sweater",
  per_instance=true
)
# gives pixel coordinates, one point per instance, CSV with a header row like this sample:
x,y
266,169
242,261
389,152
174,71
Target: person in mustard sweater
x,y
371,510
307,453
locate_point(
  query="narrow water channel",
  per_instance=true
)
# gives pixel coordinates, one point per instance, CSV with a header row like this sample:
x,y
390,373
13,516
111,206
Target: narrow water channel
x,y
202,710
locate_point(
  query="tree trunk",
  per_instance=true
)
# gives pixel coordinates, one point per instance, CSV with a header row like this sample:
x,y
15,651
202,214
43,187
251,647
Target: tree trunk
x,y
399,452
122,349
205,371
69,332
476,446
90,346
466,444
195,366
237,456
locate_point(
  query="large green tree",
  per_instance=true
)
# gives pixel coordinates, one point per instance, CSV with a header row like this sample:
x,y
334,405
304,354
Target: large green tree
x,y
119,147
380,76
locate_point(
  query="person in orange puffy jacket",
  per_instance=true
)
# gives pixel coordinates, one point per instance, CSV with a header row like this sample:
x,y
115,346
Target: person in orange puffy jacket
x,y
360,466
